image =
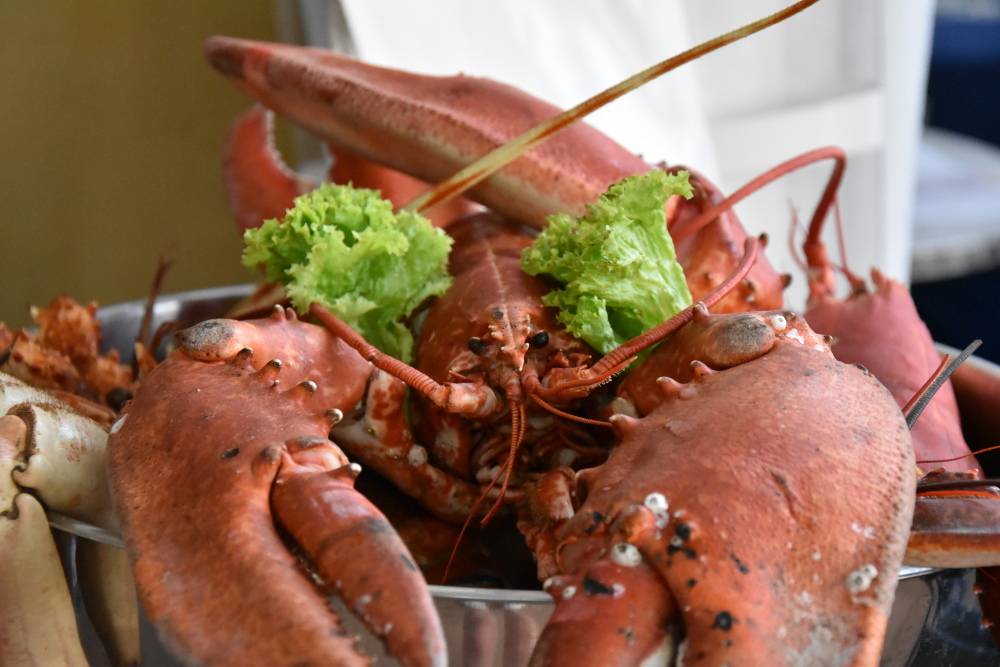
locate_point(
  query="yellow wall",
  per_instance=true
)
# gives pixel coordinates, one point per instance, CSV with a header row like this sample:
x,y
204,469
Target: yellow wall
x,y
111,125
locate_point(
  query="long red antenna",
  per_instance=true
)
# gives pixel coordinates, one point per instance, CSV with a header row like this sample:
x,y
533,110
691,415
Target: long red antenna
x,y
500,157
834,153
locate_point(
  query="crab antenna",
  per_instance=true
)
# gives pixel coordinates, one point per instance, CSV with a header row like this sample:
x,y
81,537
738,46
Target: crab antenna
x,y
548,407
643,341
924,395
619,358
984,450
517,428
856,282
476,399
774,173
793,231
518,424
500,157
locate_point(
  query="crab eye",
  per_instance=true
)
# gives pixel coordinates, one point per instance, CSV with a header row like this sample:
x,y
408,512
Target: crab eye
x,y
540,339
477,345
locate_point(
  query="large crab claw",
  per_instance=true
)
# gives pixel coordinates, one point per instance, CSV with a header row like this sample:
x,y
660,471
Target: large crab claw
x,y
882,330
216,468
260,185
428,126
776,526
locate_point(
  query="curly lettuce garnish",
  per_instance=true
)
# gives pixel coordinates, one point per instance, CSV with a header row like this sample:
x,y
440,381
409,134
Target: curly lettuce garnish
x,y
345,248
616,264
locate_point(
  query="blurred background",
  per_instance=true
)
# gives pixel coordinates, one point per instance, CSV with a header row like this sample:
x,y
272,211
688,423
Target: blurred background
x,y
113,125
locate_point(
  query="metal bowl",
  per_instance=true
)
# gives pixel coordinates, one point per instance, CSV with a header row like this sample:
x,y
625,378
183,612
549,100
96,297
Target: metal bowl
x,y
936,619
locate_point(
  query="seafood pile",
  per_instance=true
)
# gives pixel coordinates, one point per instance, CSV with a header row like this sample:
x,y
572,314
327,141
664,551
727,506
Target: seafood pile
x,y
738,484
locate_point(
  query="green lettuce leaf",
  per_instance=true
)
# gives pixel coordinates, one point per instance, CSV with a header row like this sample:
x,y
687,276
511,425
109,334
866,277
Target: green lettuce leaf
x,y
616,265
345,248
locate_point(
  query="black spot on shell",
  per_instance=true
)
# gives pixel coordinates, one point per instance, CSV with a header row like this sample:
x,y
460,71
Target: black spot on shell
x,y
478,346
598,520
410,565
309,441
376,526
629,635
497,314
271,454
688,552
740,565
723,621
683,531
365,528
230,453
594,587
691,583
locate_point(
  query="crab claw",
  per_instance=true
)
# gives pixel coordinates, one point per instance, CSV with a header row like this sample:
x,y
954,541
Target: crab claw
x,y
394,185
352,545
625,611
202,481
429,127
259,185
680,495
709,253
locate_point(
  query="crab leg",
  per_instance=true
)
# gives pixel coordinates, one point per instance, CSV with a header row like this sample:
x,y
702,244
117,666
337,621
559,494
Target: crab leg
x,y
353,546
626,624
259,184
955,530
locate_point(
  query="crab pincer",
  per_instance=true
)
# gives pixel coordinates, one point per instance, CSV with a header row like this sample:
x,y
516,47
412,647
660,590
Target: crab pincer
x,y
812,584
427,126
239,514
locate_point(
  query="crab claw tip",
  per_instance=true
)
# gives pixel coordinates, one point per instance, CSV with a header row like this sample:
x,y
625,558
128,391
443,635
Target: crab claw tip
x,y
226,54
352,543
